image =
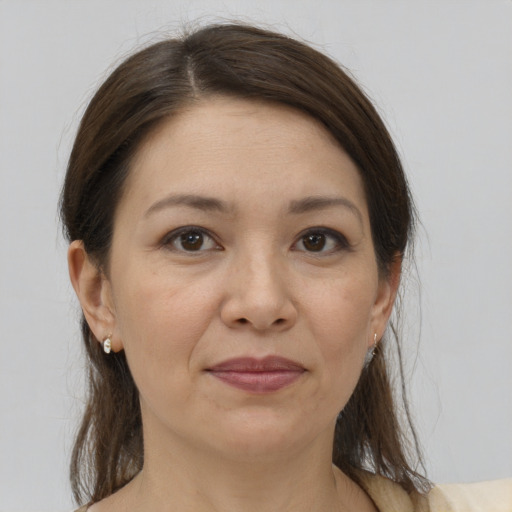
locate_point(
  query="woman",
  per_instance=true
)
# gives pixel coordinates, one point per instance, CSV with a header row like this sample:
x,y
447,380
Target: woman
x,y
238,219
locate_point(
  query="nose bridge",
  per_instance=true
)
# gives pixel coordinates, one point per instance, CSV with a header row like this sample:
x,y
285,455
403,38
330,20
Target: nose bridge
x,y
259,292
263,275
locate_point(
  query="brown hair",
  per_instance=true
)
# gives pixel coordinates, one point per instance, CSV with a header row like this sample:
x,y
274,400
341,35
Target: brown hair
x,y
147,89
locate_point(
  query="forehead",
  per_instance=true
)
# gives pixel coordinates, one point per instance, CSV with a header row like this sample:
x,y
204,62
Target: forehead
x,y
238,148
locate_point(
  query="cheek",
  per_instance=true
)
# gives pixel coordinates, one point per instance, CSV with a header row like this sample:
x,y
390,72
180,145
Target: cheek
x,y
161,323
341,315
340,322
161,319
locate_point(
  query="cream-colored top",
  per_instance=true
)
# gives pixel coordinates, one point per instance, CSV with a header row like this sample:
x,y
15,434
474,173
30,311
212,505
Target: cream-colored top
x,y
492,496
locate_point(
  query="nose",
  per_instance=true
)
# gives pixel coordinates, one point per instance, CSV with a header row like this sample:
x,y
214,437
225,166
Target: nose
x,y
258,295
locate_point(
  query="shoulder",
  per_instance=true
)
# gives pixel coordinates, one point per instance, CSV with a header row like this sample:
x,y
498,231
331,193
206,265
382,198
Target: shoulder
x,y
82,509
389,496
492,496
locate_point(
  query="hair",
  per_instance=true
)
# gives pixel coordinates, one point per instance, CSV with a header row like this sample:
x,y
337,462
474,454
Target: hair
x,y
147,89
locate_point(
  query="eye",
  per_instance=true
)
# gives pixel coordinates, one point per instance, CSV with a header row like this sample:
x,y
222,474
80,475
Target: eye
x,y
321,240
190,239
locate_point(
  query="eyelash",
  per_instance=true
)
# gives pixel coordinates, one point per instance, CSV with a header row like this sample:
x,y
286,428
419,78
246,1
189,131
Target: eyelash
x,y
340,242
171,240
174,236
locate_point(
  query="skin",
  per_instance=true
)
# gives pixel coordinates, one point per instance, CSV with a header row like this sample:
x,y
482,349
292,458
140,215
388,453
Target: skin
x,y
255,286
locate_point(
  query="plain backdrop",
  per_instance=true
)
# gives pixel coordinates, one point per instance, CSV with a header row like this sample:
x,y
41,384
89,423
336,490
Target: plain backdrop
x,y
441,75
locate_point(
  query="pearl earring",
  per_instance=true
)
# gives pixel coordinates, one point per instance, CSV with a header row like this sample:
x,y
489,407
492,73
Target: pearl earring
x,y
107,345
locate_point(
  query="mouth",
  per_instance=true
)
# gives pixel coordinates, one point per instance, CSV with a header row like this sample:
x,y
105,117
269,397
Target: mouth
x,y
265,375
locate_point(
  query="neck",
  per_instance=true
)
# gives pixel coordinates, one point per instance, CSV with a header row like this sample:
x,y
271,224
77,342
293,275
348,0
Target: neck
x,y
190,479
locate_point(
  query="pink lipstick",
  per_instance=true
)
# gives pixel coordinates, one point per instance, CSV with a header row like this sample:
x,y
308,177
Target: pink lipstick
x,y
258,375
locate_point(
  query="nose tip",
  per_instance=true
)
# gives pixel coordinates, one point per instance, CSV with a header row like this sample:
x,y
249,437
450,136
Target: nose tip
x,y
259,299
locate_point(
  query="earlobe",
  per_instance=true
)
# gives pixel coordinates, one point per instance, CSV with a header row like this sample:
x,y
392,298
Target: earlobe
x,y
93,291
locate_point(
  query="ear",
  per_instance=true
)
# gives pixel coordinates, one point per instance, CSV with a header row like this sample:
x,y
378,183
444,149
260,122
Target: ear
x,y
385,299
94,293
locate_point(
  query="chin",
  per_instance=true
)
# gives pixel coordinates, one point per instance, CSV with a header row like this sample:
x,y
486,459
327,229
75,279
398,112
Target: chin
x,y
264,434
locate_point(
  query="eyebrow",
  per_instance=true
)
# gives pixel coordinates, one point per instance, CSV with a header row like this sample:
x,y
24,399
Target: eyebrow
x,y
210,204
204,203
314,203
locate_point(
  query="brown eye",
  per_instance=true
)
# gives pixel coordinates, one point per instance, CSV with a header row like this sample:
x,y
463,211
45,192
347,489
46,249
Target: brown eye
x,y
191,241
322,240
314,242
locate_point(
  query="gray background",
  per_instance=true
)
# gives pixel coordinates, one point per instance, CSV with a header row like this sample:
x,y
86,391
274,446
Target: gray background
x,y
440,73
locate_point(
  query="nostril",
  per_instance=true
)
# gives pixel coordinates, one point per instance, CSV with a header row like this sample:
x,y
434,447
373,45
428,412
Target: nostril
x,y
243,320
279,321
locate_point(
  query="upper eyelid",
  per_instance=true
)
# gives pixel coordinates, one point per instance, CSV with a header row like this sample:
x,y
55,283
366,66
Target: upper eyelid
x,y
324,230
321,229
173,234
339,237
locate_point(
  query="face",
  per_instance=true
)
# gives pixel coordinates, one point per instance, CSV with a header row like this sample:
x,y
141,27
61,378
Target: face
x,y
243,284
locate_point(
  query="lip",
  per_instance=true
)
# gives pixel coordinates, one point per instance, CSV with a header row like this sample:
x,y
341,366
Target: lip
x,y
266,375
